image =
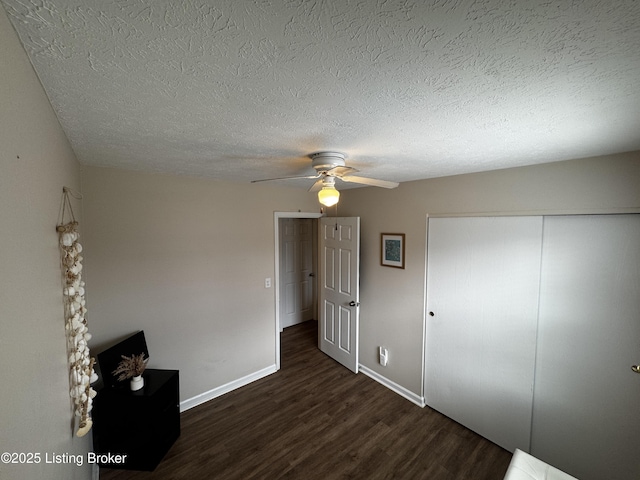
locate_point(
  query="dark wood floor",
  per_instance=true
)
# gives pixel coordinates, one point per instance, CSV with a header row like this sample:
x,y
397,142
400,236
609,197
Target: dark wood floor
x,y
314,419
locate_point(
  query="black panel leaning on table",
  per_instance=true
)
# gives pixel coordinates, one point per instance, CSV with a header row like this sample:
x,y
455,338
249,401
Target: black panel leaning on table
x,y
139,426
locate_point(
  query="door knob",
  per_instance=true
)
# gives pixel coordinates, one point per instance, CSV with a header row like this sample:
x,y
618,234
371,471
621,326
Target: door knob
x,y
354,304
635,368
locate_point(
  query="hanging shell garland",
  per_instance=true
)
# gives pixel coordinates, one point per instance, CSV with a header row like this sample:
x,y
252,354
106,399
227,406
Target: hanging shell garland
x,y
81,372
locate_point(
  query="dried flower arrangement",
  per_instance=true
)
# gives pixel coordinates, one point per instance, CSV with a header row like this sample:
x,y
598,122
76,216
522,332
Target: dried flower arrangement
x,y
130,367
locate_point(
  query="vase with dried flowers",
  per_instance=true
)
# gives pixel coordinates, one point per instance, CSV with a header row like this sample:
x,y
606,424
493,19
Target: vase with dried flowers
x,y
132,367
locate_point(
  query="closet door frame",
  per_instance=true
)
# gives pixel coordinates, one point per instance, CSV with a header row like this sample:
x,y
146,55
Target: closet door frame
x,y
612,450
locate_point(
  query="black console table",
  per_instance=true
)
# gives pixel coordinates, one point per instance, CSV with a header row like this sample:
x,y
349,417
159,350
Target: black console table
x,y
141,425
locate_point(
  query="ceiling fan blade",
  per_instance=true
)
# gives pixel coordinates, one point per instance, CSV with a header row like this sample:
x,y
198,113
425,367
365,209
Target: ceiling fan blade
x,y
316,187
370,181
285,178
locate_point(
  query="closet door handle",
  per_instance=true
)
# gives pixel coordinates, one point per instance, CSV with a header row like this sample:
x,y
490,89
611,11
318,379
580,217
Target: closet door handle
x,y
354,304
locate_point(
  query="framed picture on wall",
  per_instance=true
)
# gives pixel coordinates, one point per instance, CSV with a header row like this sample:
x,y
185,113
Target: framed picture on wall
x,y
392,250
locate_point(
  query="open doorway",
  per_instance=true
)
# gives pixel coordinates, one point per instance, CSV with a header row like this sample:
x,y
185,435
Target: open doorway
x,y
296,294
298,267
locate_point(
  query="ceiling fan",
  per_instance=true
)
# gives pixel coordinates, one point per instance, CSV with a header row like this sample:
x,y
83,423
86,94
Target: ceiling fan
x,y
328,167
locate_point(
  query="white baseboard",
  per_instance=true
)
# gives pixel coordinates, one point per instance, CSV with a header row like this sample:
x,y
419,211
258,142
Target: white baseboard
x,y
399,389
252,377
226,388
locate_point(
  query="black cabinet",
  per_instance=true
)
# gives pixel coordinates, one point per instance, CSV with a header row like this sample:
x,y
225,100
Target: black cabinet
x,y
141,425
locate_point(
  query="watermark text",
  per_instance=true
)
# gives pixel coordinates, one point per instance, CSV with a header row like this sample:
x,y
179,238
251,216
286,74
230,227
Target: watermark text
x,y
26,458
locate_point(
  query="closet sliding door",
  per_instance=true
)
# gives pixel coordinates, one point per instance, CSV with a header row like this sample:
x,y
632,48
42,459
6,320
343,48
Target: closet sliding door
x,y
482,304
585,417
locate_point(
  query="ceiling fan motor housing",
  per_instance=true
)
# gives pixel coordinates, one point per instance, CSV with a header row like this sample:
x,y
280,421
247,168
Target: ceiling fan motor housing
x,y
323,161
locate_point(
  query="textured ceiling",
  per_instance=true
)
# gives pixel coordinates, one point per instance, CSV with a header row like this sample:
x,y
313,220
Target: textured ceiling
x,y
244,89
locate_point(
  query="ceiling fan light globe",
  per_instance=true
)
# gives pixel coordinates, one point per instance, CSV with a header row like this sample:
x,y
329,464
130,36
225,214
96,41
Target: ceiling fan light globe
x,y
328,196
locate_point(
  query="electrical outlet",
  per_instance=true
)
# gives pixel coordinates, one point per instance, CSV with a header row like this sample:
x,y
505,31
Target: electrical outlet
x,y
267,283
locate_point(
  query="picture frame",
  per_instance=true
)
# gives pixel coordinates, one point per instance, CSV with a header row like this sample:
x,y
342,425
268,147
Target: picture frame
x,y
392,250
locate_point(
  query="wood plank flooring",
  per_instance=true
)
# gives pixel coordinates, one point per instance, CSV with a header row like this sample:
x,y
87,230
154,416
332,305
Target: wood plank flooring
x,y
314,419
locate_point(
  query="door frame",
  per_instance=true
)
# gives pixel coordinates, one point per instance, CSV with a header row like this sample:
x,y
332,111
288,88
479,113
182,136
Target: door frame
x,y
276,280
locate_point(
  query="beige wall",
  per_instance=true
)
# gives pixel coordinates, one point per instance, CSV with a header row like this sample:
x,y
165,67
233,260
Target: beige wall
x,y
185,259
392,300
35,163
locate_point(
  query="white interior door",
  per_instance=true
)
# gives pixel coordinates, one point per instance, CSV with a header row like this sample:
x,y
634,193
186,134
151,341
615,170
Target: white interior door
x,y
296,271
339,266
482,304
585,417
